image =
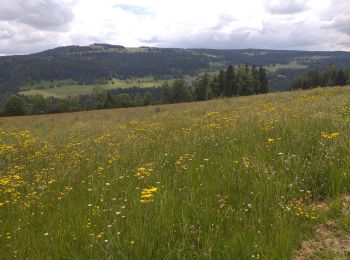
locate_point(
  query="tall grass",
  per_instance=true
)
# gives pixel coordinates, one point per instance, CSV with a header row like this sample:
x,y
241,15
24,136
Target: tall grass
x,y
231,179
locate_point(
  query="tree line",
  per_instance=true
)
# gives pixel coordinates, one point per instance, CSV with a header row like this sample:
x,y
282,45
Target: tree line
x,y
331,76
239,81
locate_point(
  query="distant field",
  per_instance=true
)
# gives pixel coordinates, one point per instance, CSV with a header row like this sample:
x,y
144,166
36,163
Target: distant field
x,y
98,48
292,65
76,90
235,178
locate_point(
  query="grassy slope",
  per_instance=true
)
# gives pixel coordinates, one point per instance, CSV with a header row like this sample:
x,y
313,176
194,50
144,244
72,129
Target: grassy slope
x,y
236,178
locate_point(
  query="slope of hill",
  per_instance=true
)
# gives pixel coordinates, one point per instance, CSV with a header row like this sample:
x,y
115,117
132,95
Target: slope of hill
x,y
236,178
100,62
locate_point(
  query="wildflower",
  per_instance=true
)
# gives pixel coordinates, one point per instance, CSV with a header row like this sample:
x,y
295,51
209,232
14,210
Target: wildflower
x,y
329,135
147,195
51,181
144,171
246,162
270,141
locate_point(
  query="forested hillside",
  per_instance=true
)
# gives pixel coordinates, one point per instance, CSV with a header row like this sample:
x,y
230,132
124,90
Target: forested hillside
x,y
102,62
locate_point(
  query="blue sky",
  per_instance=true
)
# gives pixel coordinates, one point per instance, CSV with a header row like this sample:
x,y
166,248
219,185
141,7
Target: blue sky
x,y
35,25
137,10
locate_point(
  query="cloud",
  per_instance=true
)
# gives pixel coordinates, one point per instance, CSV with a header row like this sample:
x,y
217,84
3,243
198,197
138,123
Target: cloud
x,y
34,25
286,6
341,24
40,14
338,17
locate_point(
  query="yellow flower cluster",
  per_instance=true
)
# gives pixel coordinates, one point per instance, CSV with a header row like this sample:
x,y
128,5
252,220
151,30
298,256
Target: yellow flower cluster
x,y
147,195
246,162
301,210
144,171
270,141
182,159
329,135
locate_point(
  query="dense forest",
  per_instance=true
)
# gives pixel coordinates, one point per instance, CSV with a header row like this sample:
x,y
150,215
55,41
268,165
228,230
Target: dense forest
x,y
244,80
331,76
101,62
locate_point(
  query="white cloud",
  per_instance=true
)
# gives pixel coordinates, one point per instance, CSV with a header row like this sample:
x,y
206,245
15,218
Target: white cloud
x,y
293,24
286,7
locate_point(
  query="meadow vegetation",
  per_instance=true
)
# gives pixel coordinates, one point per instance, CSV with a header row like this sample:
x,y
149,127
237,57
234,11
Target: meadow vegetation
x,y
58,89
233,178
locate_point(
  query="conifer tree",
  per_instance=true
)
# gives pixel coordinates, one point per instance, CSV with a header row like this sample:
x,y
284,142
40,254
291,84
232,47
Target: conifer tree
x,y
230,84
263,80
202,89
341,78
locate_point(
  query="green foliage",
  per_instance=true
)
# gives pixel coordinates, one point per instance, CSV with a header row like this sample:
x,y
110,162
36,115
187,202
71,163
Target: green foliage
x,y
123,100
203,88
38,105
181,92
167,95
14,106
101,97
139,101
328,78
243,81
263,81
341,78
148,98
230,87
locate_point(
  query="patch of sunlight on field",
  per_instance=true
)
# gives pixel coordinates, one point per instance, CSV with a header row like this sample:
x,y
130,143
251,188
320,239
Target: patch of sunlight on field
x,y
291,65
236,178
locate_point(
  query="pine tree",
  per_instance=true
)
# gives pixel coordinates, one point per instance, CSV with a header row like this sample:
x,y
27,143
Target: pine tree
x,y
314,78
202,89
255,79
241,80
215,87
263,80
230,88
329,76
341,78
221,82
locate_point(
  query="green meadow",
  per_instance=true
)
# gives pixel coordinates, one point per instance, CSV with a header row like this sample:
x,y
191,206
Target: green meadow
x,y
233,178
63,89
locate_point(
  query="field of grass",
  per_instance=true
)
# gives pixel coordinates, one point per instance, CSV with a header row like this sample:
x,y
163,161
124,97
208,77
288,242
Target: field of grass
x,y
238,178
292,65
73,90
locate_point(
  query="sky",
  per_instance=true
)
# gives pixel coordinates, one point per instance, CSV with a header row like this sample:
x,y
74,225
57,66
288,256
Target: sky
x,y
29,26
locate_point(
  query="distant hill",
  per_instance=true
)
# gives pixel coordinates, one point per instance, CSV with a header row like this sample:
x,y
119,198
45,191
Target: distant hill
x,y
102,62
